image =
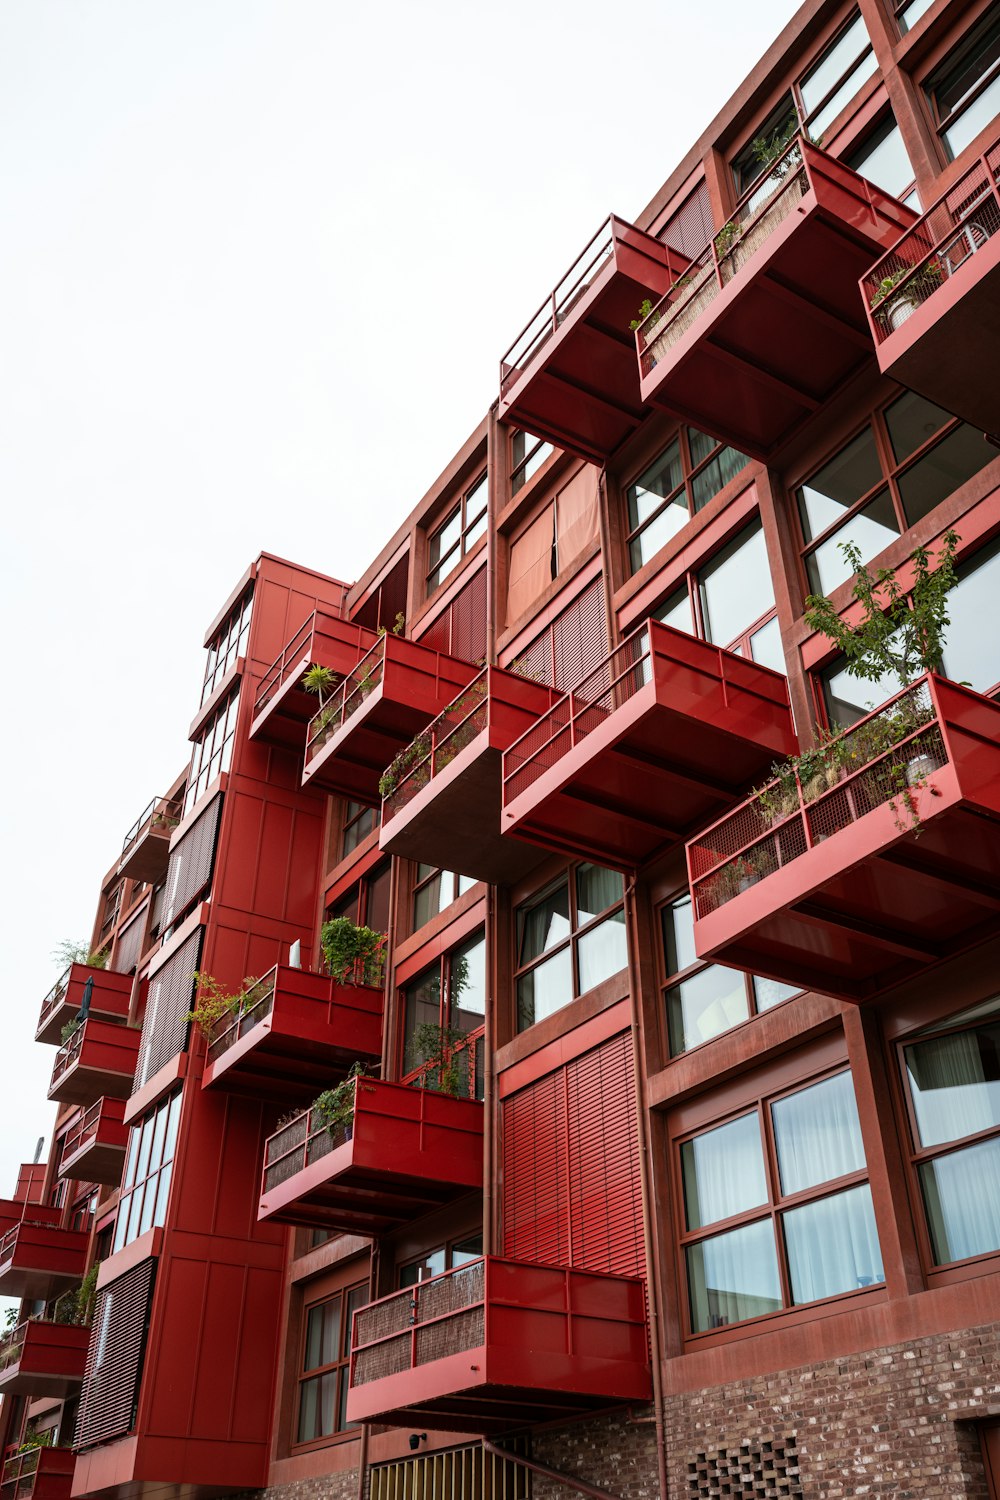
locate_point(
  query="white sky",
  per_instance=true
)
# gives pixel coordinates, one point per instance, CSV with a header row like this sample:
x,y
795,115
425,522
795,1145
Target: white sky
x,y
258,262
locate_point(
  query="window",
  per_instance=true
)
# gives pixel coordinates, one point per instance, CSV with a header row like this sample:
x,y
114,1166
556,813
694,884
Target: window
x,y
83,1211
111,912
527,454
359,822
442,1258
325,1364
776,1208
449,997
731,601
910,457
146,1179
551,541
965,90
908,13
682,480
952,1080
434,891
230,642
213,750
882,159
366,904
569,940
832,82
464,525
780,125
703,1000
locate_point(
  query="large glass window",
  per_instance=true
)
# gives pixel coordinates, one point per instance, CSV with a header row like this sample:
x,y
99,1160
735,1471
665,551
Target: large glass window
x,y
569,939
463,526
213,750
832,82
434,891
908,13
953,1078
442,1258
882,159
359,822
965,90
148,1165
703,1000
325,1364
527,454
366,904
731,601
777,1211
910,457
690,471
444,1013
229,643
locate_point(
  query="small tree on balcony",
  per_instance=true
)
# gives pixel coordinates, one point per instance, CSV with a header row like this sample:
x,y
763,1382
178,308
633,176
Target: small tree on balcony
x,y
354,955
213,1003
67,952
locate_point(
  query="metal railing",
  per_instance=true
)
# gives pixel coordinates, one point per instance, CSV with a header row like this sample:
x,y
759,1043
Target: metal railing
x,y
256,1002
879,760
11,1346
348,697
301,1141
435,1318
437,746
18,1475
83,1131
959,224
54,998
289,656
161,812
69,1053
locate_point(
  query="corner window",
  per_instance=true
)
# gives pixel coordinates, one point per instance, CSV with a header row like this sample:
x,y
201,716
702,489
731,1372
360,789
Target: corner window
x,y
832,82
213,750
324,1366
444,1012
228,643
965,91
689,473
527,454
569,940
464,525
777,1208
434,891
148,1166
359,822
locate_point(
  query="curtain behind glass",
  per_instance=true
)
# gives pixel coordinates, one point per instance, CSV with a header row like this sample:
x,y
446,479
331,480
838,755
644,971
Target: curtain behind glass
x,y
955,1084
818,1134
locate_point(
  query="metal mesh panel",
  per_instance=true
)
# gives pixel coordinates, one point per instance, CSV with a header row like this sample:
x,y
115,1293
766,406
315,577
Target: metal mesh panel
x,y
190,866
114,1360
165,1027
129,946
388,1358
465,1330
437,745
348,698
257,1003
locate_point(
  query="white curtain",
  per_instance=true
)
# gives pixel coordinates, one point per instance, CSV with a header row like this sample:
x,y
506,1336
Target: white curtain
x,y
952,1095
962,1194
723,1172
818,1134
734,1276
832,1245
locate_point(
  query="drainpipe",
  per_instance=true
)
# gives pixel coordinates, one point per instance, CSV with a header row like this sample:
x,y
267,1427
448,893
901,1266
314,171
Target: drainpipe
x,y
365,1429
570,1481
488,1036
645,1178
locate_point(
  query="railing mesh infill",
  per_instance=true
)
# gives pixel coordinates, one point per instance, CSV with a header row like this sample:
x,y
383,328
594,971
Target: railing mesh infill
x,y
258,1003
390,1357
436,747
466,1330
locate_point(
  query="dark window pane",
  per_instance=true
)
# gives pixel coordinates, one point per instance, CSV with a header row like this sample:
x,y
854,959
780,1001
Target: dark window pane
x,y
912,421
596,890
543,925
714,477
955,1084
839,484
933,478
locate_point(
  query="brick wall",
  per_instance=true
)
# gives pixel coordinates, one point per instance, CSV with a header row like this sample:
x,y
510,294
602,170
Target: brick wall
x,y
323,1487
615,1453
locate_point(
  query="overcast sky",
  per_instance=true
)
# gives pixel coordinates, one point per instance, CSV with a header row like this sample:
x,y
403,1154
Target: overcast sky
x,y
258,262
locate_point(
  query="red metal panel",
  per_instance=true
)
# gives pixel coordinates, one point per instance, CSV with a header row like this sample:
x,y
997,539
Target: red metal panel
x,y
110,995
460,629
114,1362
38,1259
42,1358
99,1058
38,1474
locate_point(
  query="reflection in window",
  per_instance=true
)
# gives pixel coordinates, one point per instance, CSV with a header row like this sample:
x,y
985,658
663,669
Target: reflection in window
x,y
449,998
442,1258
146,1179
832,82
527,454
689,473
359,822
448,544
569,940
323,1378
908,12
434,891
965,90
883,160
736,588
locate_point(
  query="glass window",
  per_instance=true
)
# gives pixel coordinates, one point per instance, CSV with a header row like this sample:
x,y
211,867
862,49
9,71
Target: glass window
x,y
359,822
704,1000
779,127
228,644
825,1243
442,1258
953,1079
434,891
908,12
569,940
883,160
146,1181
736,588
463,526
965,90
689,473
450,998
213,750
527,454
832,82
324,1372
366,903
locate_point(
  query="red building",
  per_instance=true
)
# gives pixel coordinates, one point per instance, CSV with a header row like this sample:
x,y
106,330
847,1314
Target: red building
x,y
674,1162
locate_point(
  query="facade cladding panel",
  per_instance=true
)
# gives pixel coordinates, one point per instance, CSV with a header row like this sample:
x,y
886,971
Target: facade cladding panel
x,y
129,944
115,1357
190,867
165,1028
571,1166
460,630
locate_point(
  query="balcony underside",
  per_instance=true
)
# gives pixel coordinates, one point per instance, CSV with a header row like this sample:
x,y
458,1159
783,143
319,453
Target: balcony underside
x,y
778,341
284,718
43,1264
354,1199
147,859
51,1362
873,904
291,1063
946,350
97,1160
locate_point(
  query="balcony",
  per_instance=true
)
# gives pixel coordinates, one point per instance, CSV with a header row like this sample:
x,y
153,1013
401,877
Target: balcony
x,y
109,998
499,1344
39,1260
396,688
570,374
147,843
97,1060
666,730
40,1358
283,708
38,1474
445,807
403,1152
766,324
94,1149
293,1035
885,862
934,300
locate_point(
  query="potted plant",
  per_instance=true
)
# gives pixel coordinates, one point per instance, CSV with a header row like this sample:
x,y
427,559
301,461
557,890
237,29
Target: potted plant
x,y
915,287
354,955
334,1108
213,1004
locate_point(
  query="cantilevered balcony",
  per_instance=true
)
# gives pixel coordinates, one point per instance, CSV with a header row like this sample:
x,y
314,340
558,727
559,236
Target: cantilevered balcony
x,y
42,1358
570,374
499,1344
934,299
147,843
401,1152
444,808
295,1034
396,688
665,730
283,708
38,1474
885,861
97,1060
108,999
93,1150
39,1260
766,324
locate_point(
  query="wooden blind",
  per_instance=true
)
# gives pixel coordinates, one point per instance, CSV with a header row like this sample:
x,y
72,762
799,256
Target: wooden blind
x,y
461,628
165,1029
569,648
190,866
690,228
114,1359
571,1189
129,943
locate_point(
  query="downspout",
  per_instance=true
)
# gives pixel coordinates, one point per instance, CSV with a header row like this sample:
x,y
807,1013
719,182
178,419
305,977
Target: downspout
x,y
488,1035
365,1429
580,1485
652,1280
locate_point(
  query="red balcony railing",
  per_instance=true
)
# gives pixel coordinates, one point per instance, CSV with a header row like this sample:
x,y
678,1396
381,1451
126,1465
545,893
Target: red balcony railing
x,y
664,730
396,688
401,1152
294,1033
39,1260
282,707
43,1357
146,847
874,867
93,1149
936,292
497,1344
97,1059
110,995
763,326
568,376
444,808
38,1474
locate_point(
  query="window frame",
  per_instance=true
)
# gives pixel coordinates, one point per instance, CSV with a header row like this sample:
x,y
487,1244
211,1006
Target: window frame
x,y
350,825
220,734
806,120
470,1040
524,469
691,471
942,124
448,1249
228,644
136,1185
576,932
435,575
422,884
341,1366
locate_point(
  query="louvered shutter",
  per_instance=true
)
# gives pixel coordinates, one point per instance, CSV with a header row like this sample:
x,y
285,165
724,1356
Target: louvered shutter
x,y
690,228
460,630
165,1029
129,944
571,1190
573,645
114,1359
190,867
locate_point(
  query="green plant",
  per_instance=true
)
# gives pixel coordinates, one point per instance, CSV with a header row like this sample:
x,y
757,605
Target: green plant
x,y
213,1004
319,680
67,952
33,1439
399,625
645,308
353,953
9,1321
86,1294
918,282
71,1026
432,1048
403,762
334,1108
726,238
